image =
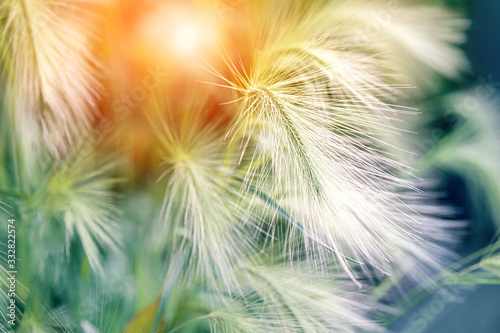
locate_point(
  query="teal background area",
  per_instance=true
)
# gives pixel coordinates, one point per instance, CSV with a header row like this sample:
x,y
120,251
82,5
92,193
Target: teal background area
x,y
467,309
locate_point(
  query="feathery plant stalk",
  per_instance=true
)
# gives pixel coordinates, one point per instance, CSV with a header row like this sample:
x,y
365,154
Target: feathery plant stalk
x,y
315,103
51,78
286,197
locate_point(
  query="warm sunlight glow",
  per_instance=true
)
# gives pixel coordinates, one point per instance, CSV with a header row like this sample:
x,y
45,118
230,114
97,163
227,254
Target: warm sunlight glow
x,y
175,32
186,38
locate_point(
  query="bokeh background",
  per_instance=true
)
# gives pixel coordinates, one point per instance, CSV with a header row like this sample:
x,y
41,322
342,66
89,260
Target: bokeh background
x,y
467,309
138,58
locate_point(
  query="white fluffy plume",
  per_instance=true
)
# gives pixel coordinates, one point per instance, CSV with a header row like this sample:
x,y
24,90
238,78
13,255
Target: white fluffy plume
x,y
200,220
47,52
315,110
276,299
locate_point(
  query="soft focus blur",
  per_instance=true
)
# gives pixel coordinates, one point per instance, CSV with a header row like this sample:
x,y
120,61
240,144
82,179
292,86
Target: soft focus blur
x,y
469,308
157,44
210,143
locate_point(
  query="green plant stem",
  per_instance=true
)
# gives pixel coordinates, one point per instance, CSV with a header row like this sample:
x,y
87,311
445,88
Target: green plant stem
x,y
161,308
434,283
166,295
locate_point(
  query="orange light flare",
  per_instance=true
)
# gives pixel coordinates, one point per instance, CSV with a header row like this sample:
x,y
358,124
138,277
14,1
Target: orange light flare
x,y
157,45
176,34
